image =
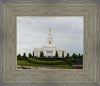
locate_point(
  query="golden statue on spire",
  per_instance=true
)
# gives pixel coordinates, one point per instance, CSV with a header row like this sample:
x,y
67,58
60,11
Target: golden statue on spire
x,y
49,29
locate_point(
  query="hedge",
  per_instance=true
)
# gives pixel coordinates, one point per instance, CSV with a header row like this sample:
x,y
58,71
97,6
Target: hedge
x,y
45,62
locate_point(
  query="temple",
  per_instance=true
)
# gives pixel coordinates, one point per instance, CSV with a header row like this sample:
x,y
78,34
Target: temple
x,y
50,49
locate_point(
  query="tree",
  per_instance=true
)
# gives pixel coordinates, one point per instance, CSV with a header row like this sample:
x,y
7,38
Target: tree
x,y
67,57
24,56
62,54
30,55
41,55
82,56
33,54
56,55
19,57
74,56
79,56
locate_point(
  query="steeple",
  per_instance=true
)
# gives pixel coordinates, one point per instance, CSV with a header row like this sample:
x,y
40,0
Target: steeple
x,y
49,29
50,38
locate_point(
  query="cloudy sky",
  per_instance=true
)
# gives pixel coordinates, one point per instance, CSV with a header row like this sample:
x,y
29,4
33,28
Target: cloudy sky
x,y
67,33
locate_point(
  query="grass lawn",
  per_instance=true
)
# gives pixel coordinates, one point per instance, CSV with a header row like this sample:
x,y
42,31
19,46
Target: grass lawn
x,y
26,63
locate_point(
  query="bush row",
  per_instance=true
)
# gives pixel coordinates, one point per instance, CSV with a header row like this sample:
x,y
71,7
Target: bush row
x,y
56,62
45,62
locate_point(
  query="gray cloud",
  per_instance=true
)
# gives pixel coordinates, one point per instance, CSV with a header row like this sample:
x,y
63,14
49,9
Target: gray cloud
x,y
67,32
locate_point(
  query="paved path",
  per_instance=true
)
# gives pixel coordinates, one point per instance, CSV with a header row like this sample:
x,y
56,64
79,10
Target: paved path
x,y
36,67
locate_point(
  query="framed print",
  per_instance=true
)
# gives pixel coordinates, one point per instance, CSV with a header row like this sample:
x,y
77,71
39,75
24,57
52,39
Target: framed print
x,y
50,43
60,50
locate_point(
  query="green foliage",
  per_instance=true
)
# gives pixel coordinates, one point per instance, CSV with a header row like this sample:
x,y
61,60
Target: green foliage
x,y
30,55
33,54
70,62
41,55
24,57
67,57
56,55
79,56
22,62
26,63
74,56
19,57
62,54
82,56
51,61
24,54
66,62
36,61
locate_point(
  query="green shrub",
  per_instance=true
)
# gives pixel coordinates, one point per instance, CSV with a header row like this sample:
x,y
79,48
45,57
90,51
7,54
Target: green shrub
x,y
36,61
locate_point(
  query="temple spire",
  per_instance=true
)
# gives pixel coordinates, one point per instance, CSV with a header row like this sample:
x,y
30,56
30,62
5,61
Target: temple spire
x,y
49,29
50,38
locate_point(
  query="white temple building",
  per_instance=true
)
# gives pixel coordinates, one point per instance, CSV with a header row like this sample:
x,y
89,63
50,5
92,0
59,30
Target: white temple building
x,y
50,49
